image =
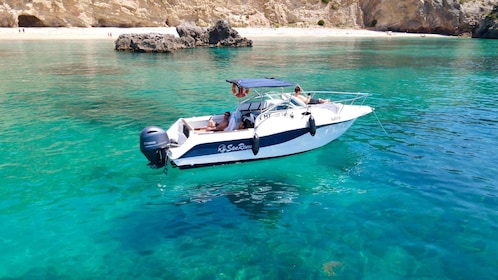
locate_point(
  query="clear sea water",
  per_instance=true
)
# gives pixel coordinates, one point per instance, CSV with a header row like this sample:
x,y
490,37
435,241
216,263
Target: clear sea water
x,y
77,200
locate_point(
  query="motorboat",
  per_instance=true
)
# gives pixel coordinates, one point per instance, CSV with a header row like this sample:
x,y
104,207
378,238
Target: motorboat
x,y
269,121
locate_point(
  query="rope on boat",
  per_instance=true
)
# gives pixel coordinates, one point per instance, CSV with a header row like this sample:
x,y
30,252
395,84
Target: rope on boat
x,y
380,123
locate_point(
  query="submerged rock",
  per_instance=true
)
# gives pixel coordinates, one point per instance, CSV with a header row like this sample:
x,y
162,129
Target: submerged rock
x,y
191,36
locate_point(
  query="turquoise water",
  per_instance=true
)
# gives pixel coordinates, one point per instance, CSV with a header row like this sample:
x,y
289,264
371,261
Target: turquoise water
x,y
77,200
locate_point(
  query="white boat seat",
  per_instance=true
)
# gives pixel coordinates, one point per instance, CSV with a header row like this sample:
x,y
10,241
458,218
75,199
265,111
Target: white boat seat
x,y
298,102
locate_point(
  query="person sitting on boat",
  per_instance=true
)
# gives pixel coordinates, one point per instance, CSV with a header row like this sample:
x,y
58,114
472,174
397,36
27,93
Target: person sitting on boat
x,y
214,126
247,121
308,100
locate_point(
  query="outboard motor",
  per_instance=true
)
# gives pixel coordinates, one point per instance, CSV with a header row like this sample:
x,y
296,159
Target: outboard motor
x,y
153,144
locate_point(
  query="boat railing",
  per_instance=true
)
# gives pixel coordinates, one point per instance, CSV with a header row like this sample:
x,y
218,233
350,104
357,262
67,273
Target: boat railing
x,y
350,98
353,98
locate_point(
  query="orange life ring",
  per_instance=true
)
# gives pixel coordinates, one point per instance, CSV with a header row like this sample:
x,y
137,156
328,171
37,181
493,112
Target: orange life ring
x,y
241,92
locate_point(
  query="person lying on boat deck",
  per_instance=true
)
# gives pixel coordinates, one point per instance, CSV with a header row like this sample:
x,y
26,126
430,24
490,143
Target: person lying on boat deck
x,y
308,100
214,126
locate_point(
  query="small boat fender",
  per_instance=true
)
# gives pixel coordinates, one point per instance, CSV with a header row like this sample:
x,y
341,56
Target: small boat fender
x,y
312,126
255,144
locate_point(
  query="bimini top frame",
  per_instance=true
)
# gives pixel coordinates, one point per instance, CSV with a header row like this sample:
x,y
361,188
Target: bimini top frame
x,y
261,83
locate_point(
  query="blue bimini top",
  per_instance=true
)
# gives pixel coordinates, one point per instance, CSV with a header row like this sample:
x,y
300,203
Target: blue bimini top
x,y
260,83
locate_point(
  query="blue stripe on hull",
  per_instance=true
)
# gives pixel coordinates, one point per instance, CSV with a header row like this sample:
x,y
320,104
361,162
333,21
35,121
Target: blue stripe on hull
x,y
218,147
242,144
212,148
246,144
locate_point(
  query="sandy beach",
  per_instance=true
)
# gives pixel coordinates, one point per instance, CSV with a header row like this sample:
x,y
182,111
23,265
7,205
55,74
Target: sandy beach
x,y
111,33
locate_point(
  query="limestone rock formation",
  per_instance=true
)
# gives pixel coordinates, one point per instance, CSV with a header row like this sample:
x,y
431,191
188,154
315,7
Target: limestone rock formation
x,y
150,42
198,34
221,34
488,27
451,17
191,36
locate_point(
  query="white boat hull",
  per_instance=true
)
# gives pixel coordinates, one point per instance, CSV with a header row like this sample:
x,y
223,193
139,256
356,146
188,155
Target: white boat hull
x,y
236,146
239,150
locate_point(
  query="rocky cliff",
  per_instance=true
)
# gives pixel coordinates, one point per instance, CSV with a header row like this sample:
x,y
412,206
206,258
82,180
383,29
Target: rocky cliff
x,y
451,17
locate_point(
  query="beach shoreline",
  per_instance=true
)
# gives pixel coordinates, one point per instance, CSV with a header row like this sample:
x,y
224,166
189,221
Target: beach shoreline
x,y
111,33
